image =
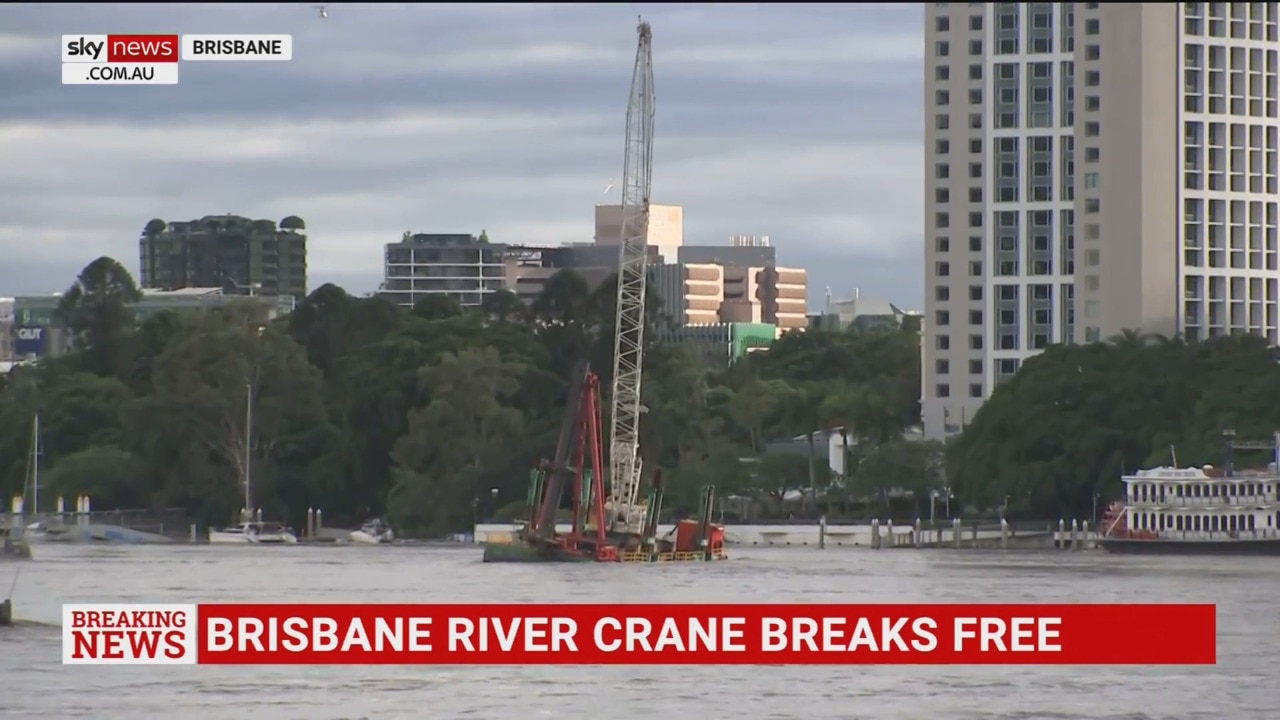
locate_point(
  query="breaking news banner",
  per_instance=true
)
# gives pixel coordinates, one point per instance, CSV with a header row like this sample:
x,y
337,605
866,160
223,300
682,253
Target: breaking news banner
x,y
794,634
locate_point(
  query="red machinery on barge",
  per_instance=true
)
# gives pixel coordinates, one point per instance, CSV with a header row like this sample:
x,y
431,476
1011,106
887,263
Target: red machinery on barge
x,y
578,468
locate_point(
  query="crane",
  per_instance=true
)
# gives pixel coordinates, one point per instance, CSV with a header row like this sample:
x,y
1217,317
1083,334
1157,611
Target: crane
x,y
625,512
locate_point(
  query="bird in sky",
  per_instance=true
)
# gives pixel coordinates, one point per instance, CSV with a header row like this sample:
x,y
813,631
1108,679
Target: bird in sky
x,y
324,12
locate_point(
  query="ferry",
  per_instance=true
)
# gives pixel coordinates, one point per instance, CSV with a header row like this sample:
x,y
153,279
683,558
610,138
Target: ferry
x,y
1196,511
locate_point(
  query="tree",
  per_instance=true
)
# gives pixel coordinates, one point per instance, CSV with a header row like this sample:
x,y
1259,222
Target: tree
x,y
239,393
440,460
96,309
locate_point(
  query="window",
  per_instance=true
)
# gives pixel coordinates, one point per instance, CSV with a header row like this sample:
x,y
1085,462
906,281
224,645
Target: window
x,y
942,122
942,220
1092,205
942,317
975,72
975,268
975,243
942,171
975,170
1041,70
975,146
942,48
1091,180
942,244
975,317
942,97
1092,26
975,292
975,367
943,24
1039,94
942,366
1092,52
942,269
1092,154
1092,78
975,96
942,342
942,73
975,22
1092,103
975,390
975,194
942,147
942,293
975,47
1092,129
975,121
975,219
943,390
975,341
941,196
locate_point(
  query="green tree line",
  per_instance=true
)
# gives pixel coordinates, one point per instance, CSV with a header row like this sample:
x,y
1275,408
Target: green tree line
x,y
433,415
1054,440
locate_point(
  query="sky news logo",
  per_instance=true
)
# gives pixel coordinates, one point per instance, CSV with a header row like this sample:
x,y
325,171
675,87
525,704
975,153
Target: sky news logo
x,y
153,59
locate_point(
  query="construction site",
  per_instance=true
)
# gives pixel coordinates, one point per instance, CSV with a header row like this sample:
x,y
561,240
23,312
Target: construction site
x,y
612,521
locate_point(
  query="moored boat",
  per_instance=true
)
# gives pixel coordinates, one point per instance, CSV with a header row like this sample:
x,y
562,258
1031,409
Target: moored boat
x,y
1196,511
253,533
374,532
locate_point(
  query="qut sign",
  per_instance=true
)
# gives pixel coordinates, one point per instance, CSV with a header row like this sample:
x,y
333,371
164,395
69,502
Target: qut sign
x,y
29,341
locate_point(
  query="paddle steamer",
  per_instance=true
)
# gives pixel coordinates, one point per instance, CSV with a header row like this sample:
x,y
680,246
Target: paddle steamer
x,y
1200,511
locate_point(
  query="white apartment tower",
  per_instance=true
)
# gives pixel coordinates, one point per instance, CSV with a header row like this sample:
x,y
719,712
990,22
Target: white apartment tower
x,y
1092,168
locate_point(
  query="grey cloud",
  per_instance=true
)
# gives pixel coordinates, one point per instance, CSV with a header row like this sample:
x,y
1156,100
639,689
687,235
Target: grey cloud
x,y
800,122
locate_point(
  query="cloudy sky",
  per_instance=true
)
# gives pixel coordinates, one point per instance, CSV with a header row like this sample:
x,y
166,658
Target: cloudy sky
x,y
800,122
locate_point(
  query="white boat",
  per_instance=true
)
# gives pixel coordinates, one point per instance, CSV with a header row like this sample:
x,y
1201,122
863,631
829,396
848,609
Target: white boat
x,y
253,533
374,532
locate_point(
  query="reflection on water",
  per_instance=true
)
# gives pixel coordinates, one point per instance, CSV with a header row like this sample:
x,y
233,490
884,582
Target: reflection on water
x,y
36,685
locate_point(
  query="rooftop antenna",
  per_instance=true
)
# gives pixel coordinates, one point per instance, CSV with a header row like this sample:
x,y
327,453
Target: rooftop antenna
x,y
828,298
608,187
324,12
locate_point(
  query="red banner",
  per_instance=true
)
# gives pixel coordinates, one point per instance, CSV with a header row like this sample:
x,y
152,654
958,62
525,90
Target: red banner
x,y
706,634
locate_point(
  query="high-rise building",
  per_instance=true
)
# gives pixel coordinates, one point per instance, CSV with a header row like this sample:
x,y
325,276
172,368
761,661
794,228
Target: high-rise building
x,y
1090,168
238,255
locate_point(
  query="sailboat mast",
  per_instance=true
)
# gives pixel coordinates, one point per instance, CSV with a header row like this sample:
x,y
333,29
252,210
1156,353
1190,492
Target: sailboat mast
x,y
248,452
35,464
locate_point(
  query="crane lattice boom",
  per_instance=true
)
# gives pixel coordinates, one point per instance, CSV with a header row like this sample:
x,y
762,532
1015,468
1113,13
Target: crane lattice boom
x,y
625,513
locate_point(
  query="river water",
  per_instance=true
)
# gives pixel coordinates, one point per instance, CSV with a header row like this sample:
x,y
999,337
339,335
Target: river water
x,y
33,684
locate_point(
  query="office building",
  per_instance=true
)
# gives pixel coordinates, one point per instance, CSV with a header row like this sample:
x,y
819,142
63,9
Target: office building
x,y
722,344
459,265
705,293
37,331
666,228
742,251
239,255
529,267
1090,168
860,314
